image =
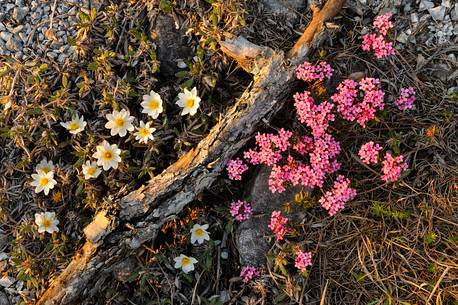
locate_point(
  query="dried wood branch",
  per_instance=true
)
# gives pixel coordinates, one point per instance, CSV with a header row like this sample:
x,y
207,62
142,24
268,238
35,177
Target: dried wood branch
x,y
113,237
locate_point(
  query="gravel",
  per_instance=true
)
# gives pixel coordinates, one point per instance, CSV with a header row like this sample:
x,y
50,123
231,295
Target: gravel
x,y
26,28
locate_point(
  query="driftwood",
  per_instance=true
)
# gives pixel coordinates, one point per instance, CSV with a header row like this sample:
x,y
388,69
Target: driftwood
x,y
111,238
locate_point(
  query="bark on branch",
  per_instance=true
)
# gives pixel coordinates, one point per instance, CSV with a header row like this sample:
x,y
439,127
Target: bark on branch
x,y
112,238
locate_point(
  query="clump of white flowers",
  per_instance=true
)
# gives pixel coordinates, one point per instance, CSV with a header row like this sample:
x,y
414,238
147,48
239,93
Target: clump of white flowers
x,y
152,104
144,132
199,233
44,180
186,263
119,122
91,170
189,101
46,222
108,156
76,125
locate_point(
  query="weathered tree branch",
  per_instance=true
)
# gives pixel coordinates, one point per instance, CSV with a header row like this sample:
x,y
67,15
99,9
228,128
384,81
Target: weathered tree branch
x,y
112,238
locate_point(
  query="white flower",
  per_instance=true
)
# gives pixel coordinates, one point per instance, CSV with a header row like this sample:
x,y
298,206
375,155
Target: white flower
x,y
43,181
45,166
144,132
189,101
152,104
108,156
186,263
199,233
46,222
119,122
76,125
90,170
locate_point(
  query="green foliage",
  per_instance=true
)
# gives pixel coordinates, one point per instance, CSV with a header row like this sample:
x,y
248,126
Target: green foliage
x,y
379,210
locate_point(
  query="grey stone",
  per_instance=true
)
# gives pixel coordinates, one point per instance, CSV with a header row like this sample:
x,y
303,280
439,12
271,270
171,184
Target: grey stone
x,y
251,234
2,27
19,13
454,13
414,18
171,44
4,299
441,71
14,44
5,36
425,5
438,13
402,38
17,29
6,281
284,6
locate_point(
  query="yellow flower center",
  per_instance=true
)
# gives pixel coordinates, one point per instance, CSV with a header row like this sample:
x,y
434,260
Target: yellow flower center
x,y
199,232
119,122
91,170
189,102
108,155
185,261
43,181
143,132
46,222
153,104
73,126
46,169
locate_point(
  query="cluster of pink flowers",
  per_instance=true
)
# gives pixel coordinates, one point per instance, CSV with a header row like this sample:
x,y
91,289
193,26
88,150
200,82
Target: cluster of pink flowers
x,y
248,273
335,200
377,41
270,147
364,110
407,98
309,72
317,117
302,260
369,152
241,210
277,225
235,169
392,167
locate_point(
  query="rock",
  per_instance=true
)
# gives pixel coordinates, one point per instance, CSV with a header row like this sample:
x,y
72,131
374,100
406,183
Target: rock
x,y
4,299
5,36
402,38
414,18
13,44
454,13
125,269
425,5
438,13
19,13
6,281
250,234
171,44
441,71
2,27
284,6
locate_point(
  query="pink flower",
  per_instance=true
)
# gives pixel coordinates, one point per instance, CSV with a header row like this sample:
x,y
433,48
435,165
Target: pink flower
x,y
309,72
241,210
334,200
369,152
302,260
277,225
364,110
236,168
377,41
317,117
407,98
248,273
383,24
392,167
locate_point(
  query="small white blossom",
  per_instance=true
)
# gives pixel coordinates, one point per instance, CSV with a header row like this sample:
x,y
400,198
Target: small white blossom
x,y
45,166
108,156
119,122
189,101
47,222
43,181
152,104
144,132
91,170
76,125
199,233
186,263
